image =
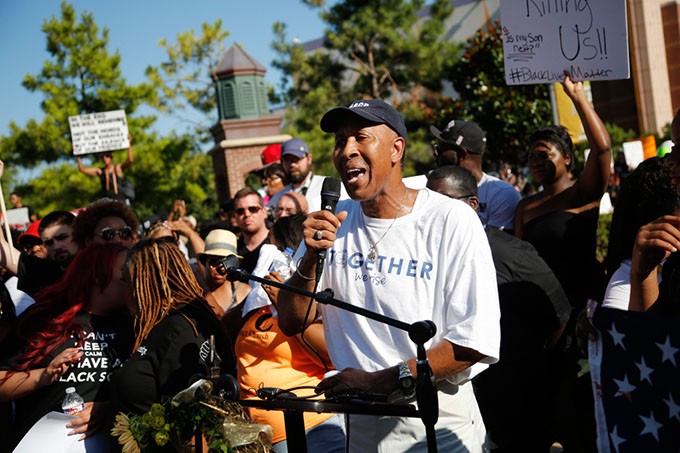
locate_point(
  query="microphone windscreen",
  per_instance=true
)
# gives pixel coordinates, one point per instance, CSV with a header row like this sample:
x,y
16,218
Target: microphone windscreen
x,y
330,194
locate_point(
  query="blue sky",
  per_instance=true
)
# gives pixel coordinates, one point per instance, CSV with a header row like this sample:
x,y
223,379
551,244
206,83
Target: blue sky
x,y
135,27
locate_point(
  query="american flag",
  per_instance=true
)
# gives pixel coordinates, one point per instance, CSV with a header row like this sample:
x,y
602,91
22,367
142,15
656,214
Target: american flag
x,y
636,381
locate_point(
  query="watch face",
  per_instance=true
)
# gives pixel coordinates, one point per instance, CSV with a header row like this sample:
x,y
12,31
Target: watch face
x,y
406,382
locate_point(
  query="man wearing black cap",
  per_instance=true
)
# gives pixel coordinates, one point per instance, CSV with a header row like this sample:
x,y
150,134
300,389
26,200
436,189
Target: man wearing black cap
x,y
410,254
297,165
463,143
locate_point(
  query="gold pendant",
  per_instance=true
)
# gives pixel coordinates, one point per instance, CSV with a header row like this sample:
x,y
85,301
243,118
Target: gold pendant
x,y
371,254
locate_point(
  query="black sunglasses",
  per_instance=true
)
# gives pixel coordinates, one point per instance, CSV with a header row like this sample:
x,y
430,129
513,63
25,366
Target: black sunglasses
x,y
251,209
213,262
109,234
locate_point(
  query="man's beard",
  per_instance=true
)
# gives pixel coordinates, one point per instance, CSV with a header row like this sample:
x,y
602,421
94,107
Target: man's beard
x,y
63,260
297,178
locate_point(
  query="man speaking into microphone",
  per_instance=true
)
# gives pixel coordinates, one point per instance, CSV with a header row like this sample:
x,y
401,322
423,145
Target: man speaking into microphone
x,y
407,254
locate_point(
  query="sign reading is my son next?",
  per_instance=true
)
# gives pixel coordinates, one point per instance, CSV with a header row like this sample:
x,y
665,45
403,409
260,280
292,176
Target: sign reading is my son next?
x,y
543,38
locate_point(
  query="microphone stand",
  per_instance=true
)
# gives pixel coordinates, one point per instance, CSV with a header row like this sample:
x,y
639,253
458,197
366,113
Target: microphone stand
x,y
420,332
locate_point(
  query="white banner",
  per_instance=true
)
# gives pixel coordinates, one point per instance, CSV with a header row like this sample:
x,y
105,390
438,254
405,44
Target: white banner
x,y
543,38
99,132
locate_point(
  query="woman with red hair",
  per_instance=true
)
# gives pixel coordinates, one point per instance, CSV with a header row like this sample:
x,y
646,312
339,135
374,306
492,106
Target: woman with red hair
x,y
78,331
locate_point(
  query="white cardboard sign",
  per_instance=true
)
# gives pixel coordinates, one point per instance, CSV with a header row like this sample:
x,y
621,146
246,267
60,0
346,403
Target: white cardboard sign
x,y
542,38
634,153
18,218
99,132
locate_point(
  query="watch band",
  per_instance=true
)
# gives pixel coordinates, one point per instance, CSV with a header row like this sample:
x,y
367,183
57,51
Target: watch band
x,y
406,380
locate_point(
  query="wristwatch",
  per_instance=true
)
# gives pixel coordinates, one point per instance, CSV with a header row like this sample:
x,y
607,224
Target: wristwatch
x,y
407,384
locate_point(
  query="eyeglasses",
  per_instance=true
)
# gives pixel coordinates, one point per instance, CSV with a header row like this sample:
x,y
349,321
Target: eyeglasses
x,y
464,197
109,234
251,209
272,178
289,211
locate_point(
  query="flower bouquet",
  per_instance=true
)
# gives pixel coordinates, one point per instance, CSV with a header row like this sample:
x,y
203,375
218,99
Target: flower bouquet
x,y
194,413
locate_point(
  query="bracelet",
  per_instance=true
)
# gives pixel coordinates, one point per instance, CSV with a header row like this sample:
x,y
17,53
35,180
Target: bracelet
x,y
309,279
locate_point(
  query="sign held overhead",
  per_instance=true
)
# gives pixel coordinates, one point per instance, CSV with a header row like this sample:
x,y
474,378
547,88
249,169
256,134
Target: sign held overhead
x,y
99,132
543,38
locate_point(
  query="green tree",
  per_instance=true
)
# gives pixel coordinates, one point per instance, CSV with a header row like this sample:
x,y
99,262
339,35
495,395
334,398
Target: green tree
x,y
184,81
372,49
79,77
508,114
82,77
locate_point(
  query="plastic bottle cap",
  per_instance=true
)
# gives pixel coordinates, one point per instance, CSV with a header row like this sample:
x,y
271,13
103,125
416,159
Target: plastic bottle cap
x,y
71,390
289,250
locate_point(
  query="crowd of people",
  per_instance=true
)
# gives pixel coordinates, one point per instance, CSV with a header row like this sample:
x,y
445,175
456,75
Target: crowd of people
x,y
130,312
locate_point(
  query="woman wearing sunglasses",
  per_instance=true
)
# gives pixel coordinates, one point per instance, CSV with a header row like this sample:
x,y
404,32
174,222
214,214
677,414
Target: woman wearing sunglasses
x,y
75,334
274,180
106,221
222,295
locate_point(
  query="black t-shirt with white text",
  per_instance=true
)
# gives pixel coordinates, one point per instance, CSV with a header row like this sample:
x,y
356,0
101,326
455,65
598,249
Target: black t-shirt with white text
x,y
107,343
175,350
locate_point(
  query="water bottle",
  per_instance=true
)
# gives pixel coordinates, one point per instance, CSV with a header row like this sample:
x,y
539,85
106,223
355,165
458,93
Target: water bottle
x,y
281,263
73,403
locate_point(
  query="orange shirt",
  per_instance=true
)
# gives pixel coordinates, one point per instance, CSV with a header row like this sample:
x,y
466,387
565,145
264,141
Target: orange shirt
x,y
266,357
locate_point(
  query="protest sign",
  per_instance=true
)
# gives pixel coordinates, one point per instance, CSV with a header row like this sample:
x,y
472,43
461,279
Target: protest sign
x,y
543,38
634,152
99,132
17,218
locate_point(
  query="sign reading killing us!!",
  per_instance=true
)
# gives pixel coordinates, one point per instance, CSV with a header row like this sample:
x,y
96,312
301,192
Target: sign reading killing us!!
x,y
543,38
99,132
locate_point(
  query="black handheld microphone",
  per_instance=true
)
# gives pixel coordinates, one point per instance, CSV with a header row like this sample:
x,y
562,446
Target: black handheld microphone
x,y
330,194
228,266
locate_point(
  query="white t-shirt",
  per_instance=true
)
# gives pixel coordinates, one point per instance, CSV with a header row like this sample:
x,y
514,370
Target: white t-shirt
x,y
432,264
618,288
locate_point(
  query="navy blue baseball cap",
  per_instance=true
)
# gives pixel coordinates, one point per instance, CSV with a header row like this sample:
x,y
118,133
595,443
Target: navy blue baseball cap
x,y
374,110
295,146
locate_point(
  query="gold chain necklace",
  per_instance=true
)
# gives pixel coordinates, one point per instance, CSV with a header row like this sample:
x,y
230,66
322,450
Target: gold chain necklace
x,y
372,252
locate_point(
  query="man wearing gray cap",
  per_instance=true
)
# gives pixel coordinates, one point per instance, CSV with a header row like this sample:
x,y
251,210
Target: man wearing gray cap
x,y
297,165
412,255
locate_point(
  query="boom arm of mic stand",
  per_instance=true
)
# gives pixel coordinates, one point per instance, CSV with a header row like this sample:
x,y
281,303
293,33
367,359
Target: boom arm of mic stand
x,y
323,297
419,332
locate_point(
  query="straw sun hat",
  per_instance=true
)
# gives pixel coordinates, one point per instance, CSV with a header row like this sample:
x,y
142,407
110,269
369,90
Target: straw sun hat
x,y
220,243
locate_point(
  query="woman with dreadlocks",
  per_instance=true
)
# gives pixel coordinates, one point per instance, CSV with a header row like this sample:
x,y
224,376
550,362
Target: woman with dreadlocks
x,y
173,326
75,334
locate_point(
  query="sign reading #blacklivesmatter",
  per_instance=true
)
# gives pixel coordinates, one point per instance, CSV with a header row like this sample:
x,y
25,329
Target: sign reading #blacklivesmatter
x,y
99,132
543,38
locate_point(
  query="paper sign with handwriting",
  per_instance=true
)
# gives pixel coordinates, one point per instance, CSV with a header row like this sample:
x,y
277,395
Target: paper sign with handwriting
x,y
99,132
542,38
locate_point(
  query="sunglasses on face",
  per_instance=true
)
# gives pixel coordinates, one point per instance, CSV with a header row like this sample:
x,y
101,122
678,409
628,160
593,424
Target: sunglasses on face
x,y
109,234
289,211
213,262
251,209
218,264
